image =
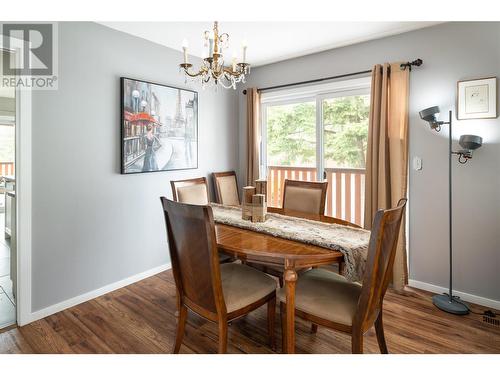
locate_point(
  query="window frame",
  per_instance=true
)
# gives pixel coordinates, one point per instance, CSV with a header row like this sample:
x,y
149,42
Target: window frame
x,y
317,94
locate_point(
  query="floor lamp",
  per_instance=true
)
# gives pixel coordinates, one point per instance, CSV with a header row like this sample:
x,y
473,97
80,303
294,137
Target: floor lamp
x,y
449,302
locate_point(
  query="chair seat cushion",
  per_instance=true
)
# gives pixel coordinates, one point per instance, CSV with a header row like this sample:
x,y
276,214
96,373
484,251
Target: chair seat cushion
x,y
243,285
325,294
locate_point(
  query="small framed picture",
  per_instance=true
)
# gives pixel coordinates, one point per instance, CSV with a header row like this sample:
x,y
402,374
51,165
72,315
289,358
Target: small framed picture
x,y
477,98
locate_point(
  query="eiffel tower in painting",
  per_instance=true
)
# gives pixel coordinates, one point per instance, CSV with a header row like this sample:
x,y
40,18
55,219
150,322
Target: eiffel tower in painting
x,y
179,119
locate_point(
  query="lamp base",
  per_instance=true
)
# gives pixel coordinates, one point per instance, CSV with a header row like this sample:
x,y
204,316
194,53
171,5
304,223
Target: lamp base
x,y
452,306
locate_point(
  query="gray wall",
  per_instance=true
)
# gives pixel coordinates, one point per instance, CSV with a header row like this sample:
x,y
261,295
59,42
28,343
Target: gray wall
x,y
7,106
91,225
451,52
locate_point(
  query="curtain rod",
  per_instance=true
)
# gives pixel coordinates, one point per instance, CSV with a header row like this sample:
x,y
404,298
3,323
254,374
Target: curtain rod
x,y
403,66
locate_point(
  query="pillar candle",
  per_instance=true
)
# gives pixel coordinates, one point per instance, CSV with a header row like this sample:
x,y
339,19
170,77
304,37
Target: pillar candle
x,y
261,187
258,208
246,207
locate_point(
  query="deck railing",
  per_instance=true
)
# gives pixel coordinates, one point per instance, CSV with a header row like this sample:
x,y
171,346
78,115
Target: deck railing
x,y
7,168
345,195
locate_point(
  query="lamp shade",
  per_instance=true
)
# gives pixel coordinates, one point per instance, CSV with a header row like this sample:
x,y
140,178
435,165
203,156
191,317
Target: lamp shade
x,y
430,114
470,142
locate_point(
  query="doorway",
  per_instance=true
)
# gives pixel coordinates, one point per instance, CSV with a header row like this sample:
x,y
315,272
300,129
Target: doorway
x,y
8,220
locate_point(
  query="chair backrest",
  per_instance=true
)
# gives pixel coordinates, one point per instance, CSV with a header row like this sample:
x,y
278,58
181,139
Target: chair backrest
x,y
379,262
192,191
226,188
194,257
305,196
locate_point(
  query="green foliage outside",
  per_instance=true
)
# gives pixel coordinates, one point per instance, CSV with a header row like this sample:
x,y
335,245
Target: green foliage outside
x,y
291,133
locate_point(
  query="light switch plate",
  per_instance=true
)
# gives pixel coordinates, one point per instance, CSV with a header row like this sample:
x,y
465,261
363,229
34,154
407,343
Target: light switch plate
x,y
417,163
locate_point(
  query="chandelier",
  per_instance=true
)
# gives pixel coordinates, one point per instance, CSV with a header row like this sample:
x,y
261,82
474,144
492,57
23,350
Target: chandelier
x,y
212,69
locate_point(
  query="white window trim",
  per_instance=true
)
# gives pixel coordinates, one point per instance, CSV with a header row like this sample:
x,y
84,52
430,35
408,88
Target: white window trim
x,y
315,90
312,93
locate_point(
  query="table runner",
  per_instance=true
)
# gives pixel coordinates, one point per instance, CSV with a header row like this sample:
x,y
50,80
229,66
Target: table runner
x,y
351,242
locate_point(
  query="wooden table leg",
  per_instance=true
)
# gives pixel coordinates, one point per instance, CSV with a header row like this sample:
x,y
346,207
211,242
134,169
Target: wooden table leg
x,y
290,280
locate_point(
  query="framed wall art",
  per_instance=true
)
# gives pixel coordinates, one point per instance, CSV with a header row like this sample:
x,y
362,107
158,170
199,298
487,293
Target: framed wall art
x,y
159,127
477,99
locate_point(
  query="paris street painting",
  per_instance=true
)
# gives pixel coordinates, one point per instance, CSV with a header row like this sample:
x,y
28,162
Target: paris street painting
x,y
159,127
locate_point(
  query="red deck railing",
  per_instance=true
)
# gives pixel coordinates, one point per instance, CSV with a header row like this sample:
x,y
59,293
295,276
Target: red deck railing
x,y
345,195
7,168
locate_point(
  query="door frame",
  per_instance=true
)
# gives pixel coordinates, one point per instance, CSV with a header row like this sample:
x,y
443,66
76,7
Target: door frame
x,y
23,193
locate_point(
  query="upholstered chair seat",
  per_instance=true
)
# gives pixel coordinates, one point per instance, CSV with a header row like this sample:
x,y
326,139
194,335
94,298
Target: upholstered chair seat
x,y
243,285
327,295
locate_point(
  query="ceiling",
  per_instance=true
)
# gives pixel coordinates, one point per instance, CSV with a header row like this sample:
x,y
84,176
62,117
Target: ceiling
x,y
267,42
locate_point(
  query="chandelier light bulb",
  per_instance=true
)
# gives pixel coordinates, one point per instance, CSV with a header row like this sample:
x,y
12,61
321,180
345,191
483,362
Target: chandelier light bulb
x,y
185,50
244,48
234,62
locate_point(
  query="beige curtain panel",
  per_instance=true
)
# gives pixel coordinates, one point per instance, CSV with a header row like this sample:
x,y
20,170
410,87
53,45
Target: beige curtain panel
x,y
387,152
253,135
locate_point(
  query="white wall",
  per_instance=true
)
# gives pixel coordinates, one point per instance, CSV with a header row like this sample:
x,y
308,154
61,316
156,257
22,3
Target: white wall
x,y
451,52
91,225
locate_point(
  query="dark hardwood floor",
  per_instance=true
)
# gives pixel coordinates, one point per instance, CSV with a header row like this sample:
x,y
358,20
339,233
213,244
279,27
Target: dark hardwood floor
x,y
140,319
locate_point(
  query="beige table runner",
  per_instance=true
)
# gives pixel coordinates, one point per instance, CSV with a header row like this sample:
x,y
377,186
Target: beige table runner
x,y
351,242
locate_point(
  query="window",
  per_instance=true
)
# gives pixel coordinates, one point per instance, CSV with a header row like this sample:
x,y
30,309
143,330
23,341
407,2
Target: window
x,y
291,134
316,133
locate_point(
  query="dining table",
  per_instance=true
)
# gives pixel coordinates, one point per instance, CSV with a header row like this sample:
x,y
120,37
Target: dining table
x,y
268,250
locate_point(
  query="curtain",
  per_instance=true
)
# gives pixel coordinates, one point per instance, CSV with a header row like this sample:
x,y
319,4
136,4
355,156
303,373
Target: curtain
x,y
387,153
253,135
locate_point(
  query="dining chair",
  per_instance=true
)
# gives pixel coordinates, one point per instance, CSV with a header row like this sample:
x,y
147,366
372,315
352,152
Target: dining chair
x,y
305,196
218,293
192,191
226,188
326,298
195,191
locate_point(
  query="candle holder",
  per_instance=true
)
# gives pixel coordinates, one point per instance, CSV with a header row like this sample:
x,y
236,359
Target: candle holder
x,y
254,203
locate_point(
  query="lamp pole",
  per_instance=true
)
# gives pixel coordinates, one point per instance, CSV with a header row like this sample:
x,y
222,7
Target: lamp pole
x,y
450,303
450,205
